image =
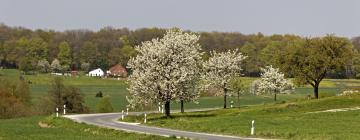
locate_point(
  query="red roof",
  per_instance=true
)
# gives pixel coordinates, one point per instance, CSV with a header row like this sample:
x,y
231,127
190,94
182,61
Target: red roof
x,y
118,70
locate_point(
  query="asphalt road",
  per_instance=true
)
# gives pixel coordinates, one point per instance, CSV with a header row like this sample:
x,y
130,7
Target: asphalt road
x,y
109,120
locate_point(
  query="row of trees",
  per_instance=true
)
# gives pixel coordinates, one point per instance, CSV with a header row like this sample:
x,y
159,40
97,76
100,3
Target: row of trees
x,y
84,49
172,68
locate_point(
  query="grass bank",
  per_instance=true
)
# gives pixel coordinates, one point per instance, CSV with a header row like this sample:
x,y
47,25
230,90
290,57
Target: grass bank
x,y
62,129
284,121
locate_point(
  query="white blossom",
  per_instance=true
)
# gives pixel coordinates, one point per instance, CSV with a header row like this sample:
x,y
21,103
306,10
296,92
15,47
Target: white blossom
x,y
165,69
349,92
221,68
272,81
43,65
55,65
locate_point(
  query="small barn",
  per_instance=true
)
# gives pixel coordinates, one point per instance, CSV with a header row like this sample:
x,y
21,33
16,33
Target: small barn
x,y
117,71
96,72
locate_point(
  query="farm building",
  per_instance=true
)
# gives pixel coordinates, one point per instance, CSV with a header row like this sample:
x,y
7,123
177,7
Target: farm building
x,y
117,71
96,72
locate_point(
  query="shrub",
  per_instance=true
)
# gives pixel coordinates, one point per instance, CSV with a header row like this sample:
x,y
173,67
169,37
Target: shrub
x,y
45,106
60,95
99,94
14,99
104,106
43,66
74,100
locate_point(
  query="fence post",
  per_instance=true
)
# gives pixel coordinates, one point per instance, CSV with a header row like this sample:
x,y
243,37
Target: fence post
x,y
57,112
252,127
145,118
122,115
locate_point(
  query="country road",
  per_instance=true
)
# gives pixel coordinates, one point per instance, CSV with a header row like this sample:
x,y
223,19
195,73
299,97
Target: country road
x,y
109,120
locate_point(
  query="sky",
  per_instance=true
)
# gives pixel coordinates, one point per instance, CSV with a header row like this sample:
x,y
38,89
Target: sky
x,y
302,17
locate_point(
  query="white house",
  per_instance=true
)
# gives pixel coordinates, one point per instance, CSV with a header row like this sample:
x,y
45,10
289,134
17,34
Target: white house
x,y
96,72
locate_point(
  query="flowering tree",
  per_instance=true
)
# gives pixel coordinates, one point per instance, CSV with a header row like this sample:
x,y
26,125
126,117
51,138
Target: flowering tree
x,y
221,67
273,81
43,65
55,65
164,70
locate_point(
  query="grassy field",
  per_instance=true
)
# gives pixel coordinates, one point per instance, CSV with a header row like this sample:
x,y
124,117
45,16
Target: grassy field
x,y
284,121
117,90
62,129
89,86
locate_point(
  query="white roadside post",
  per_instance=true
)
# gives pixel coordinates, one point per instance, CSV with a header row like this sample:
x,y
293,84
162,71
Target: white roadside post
x,y
64,109
122,115
57,112
144,117
159,107
252,127
127,111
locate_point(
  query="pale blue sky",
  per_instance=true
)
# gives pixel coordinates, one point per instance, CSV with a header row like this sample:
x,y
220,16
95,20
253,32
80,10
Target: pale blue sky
x,y
302,17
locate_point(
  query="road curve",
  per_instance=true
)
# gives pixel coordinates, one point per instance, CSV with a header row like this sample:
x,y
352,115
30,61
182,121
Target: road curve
x,y
109,120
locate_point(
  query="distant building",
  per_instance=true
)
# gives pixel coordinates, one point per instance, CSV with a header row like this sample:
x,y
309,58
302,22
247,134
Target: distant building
x,y
96,72
117,71
74,73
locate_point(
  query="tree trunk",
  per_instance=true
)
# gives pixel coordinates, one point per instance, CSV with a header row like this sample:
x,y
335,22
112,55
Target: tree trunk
x,y
182,106
167,108
225,94
316,91
275,96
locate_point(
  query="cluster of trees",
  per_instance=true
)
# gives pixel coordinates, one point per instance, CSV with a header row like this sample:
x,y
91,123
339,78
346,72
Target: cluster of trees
x,y
173,68
85,49
15,99
44,50
60,95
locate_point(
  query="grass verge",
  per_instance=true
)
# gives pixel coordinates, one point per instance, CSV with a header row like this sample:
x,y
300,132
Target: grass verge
x,y
52,128
284,121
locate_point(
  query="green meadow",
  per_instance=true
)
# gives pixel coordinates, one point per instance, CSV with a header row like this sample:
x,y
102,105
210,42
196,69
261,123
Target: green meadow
x,y
287,118
117,90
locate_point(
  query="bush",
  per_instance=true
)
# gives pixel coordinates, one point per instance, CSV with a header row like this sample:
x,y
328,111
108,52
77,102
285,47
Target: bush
x,y
14,99
104,106
99,94
60,95
74,100
43,66
45,106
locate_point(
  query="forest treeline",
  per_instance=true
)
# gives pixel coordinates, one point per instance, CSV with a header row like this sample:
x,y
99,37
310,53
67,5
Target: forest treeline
x,y
44,50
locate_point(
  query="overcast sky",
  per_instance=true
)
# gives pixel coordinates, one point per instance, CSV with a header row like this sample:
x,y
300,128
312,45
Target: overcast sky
x,y
302,17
